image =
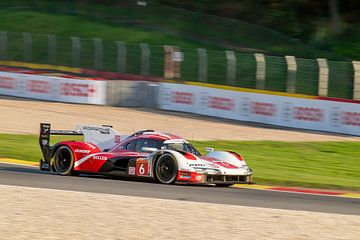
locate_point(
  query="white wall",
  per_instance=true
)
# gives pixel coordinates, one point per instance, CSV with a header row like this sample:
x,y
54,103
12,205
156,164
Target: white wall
x,y
301,113
53,88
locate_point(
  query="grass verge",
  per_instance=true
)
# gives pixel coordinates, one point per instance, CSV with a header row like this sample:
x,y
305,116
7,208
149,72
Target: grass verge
x,y
309,164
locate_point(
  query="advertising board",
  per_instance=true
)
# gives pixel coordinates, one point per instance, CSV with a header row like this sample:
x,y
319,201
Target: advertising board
x,y
312,114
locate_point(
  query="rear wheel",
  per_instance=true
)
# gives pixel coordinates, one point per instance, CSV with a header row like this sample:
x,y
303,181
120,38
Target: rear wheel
x,y
166,169
64,161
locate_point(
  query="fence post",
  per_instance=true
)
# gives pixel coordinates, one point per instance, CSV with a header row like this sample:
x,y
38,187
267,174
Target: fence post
x,y
98,55
203,64
172,62
52,49
356,65
3,45
168,62
27,47
291,78
230,67
145,59
76,51
323,77
121,56
260,70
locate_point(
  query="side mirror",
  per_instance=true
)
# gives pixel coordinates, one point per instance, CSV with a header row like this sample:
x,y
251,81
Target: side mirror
x,y
209,149
148,149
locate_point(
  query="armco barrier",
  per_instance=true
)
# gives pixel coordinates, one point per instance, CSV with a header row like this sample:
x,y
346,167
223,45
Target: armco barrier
x,y
292,112
53,88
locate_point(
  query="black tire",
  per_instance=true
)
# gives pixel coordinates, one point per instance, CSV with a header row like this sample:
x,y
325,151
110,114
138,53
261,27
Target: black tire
x,y
64,161
166,169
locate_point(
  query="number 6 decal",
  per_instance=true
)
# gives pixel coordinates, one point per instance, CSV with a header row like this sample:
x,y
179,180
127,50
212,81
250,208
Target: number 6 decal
x,y
142,167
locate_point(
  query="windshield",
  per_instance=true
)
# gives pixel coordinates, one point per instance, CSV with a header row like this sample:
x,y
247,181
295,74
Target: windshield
x,y
186,147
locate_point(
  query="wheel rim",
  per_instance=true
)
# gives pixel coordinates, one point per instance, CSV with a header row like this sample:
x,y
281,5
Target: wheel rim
x,y
63,161
166,169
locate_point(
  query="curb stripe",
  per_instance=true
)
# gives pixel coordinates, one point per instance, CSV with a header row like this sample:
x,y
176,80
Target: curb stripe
x,y
17,161
41,66
298,190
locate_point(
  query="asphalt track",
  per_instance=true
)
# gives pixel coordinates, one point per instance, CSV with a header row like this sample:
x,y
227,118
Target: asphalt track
x,y
32,177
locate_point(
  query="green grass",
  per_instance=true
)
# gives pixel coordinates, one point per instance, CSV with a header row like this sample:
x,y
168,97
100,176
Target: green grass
x,y
70,25
309,164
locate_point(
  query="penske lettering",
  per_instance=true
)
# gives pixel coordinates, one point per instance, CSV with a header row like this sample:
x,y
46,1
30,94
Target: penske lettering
x,y
82,151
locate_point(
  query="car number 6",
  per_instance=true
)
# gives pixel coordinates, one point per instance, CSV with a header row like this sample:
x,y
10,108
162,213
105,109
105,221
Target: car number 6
x,y
141,169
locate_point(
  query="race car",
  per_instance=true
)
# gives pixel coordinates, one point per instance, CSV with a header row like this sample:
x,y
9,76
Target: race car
x,y
166,158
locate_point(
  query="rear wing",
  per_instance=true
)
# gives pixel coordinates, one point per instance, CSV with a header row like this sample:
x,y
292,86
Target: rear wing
x,y
44,142
45,132
103,136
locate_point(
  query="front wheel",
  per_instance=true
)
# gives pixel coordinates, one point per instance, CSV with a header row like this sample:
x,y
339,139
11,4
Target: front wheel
x,y
166,169
64,161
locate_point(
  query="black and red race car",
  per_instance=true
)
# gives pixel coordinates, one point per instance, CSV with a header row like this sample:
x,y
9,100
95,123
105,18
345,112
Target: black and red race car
x,y
167,158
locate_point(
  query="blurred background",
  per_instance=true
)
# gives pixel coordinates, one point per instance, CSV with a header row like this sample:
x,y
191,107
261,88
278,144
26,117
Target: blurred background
x,y
129,37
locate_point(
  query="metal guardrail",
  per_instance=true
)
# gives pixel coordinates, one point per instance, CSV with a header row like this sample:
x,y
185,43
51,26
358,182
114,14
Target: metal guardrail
x,y
284,74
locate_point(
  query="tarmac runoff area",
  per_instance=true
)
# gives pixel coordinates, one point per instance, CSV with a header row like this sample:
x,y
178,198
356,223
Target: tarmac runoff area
x,y
34,213
22,116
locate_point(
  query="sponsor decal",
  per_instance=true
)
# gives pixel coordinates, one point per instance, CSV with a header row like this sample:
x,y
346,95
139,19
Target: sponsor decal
x,y
45,129
38,86
221,103
263,108
351,118
131,171
99,129
216,163
102,158
7,82
182,97
82,151
308,114
90,145
196,165
77,89
185,177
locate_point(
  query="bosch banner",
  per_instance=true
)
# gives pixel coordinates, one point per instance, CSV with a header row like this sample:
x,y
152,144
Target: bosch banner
x,y
53,88
330,116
